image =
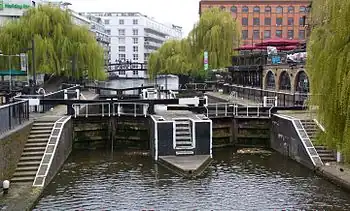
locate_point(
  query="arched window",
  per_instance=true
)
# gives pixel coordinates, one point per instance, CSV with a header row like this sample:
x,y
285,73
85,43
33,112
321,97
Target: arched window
x,y
268,9
279,9
290,9
302,9
245,9
233,9
256,9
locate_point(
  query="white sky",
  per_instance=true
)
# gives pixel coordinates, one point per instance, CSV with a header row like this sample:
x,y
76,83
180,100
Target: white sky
x,y
179,12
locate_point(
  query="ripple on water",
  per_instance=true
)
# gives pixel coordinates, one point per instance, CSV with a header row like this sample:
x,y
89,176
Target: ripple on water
x,y
233,182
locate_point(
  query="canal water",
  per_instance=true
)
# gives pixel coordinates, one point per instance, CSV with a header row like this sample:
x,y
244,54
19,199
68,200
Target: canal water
x,y
99,180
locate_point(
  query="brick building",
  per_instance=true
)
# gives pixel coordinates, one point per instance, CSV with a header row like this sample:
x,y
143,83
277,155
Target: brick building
x,y
265,19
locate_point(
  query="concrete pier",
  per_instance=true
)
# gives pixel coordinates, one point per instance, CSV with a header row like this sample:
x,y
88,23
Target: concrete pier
x,y
187,166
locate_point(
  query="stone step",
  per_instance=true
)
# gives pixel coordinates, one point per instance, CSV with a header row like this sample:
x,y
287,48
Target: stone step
x,y
28,163
37,132
37,140
184,148
24,173
29,179
37,144
328,159
42,127
321,151
32,136
183,128
180,138
38,153
31,158
34,149
182,122
27,168
184,153
183,133
178,143
320,148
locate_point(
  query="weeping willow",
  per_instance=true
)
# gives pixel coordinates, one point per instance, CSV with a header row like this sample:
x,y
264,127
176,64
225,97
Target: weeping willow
x,y
329,68
59,43
216,32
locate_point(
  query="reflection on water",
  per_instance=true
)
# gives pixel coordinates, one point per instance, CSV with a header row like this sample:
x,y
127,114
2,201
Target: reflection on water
x,y
100,181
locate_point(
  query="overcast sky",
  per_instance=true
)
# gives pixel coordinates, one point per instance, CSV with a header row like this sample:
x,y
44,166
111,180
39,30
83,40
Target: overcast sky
x,y
179,12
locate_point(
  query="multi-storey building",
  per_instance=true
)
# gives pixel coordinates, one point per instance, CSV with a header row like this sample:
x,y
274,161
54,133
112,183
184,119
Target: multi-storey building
x,y
265,19
134,36
13,9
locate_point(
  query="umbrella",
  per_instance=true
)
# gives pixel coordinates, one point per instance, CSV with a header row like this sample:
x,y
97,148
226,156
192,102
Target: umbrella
x,y
278,42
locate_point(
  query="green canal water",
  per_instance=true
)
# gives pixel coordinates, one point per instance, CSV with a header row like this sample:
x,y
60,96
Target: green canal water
x,y
99,180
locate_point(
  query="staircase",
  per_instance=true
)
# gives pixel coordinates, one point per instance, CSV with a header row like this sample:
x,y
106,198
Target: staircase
x,y
33,152
184,142
312,129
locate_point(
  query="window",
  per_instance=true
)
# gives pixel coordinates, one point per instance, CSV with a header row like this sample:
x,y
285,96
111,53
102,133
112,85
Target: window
x,y
290,9
279,9
121,32
279,33
135,72
245,9
245,34
135,49
256,21
301,34
122,57
135,40
135,57
121,40
267,21
302,9
121,48
106,21
301,21
121,22
267,34
290,34
279,21
108,31
290,21
222,8
244,21
268,9
135,32
233,9
256,9
135,22
256,34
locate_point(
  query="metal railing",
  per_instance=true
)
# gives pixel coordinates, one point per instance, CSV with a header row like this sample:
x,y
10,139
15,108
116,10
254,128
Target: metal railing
x,y
13,115
230,110
110,109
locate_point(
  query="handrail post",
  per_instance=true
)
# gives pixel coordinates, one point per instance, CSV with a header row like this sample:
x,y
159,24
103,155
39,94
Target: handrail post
x,y
225,109
247,110
118,109
216,109
103,109
258,110
135,108
109,109
113,107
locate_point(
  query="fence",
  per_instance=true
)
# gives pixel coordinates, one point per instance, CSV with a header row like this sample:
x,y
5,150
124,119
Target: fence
x,y
13,115
230,110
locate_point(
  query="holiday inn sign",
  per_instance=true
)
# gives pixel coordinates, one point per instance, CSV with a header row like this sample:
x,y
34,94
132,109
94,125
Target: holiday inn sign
x,y
10,5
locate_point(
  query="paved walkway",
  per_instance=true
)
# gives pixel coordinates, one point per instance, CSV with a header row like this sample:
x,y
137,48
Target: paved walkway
x,y
337,173
229,99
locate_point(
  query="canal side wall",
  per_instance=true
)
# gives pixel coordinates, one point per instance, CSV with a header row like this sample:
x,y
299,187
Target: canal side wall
x,y
285,140
11,147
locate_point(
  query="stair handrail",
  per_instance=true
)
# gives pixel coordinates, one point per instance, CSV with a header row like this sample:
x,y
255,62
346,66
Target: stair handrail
x,y
319,125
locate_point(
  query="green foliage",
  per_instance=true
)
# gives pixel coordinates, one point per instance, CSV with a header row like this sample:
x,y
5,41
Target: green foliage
x,y
216,32
58,41
329,69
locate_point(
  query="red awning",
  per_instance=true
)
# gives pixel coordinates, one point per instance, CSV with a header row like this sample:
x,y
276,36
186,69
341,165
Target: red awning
x,y
278,42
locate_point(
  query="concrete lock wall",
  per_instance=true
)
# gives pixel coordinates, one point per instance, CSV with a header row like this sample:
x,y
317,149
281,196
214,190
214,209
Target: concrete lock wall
x,y
11,147
202,130
165,138
285,139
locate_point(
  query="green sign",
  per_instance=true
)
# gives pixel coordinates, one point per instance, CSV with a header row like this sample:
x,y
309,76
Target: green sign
x,y
13,6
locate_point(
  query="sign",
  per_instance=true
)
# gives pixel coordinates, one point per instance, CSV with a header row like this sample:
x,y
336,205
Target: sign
x,y
4,5
206,65
23,57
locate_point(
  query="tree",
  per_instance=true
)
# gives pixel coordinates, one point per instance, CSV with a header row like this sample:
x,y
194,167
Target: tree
x,y
216,32
329,68
58,43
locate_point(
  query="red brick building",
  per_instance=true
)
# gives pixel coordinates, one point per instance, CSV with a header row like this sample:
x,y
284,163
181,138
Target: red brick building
x,y
265,19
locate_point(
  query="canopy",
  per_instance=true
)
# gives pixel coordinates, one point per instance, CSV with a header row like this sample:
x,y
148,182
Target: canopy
x,y
278,42
12,73
256,47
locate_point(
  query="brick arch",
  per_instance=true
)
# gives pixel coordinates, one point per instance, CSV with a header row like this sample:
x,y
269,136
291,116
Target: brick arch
x,y
284,81
299,84
270,80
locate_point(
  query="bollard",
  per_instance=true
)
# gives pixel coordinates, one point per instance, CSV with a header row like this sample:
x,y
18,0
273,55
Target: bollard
x,y
5,186
66,94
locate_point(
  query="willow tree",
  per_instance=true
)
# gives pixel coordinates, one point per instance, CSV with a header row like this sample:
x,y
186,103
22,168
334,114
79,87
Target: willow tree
x,y
329,69
59,43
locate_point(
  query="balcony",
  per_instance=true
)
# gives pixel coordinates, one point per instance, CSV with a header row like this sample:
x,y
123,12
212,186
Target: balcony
x,y
156,37
152,44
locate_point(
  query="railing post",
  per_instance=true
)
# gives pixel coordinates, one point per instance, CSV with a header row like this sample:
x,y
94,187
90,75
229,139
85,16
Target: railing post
x,y
216,109
109,109
86,110
103,109
247,110
258,110
10,123
113,107
135,109
225,109
118,109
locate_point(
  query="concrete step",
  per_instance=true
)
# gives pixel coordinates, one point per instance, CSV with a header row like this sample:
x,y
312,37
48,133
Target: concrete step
x,y
24,173
181,138
40,132
33,136
42,127
328,159
28,163
38,140
183,148
31,158
29,179
183,133
38,153
41,144
183,128
179,153
34,149
43,124
182,122
27,168
179,143
320,148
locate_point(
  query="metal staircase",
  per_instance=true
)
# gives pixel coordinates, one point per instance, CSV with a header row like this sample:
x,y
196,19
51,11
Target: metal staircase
x,y
312,129
183,137
33,151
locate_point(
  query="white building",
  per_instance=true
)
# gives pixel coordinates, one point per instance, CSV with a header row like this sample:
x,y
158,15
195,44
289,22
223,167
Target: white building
x,y
13,9
134,36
